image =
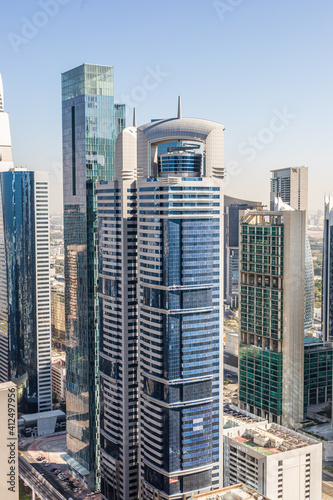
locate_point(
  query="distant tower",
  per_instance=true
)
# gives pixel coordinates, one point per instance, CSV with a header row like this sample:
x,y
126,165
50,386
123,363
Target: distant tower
x,y
232,207
291,185
327,303
6,160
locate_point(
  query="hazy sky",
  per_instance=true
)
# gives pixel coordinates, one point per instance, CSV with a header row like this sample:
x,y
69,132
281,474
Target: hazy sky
x,y
262,68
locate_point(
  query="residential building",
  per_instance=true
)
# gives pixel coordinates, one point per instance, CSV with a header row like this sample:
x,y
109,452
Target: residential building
x,y
275,461
25,305
291,185
327,298
232,207
58,314
91,123
234,492
9,481
271,350
161,236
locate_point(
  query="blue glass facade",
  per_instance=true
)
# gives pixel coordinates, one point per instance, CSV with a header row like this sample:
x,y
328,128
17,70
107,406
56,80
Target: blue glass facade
x,y
91,123
180,331
18,287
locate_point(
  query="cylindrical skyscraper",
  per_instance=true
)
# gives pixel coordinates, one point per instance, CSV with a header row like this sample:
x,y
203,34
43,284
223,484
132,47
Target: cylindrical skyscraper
x,y
176,201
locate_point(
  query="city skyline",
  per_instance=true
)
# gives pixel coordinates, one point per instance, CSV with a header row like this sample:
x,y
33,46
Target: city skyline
x,y
250,68
166,281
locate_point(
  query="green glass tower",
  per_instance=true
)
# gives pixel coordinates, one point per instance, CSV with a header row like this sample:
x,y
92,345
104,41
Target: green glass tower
x,y
91,123
271,336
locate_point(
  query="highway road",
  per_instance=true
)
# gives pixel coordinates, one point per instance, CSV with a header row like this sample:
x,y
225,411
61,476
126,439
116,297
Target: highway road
x,y
40,484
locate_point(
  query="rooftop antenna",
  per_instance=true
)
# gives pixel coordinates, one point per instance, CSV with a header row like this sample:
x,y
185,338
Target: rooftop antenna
x,y
134,117
180,114
1,95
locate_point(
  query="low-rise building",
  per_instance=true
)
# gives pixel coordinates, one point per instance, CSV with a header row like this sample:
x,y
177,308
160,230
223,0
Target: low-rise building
x,y
42,424
273,460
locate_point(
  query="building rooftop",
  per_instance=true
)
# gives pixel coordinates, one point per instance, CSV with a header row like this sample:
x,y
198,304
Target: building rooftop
x,y
44,414
234,417
312,340
234,492
272,439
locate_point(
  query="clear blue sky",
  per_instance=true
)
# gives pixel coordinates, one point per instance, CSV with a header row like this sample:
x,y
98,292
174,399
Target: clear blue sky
x,y
239,62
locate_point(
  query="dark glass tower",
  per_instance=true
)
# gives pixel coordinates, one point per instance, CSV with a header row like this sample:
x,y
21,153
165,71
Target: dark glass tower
x,y
91,123
25,308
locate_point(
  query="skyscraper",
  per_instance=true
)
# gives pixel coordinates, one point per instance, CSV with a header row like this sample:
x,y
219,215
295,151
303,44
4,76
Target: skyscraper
x,y
25,307
327,299
161,224
91,123
6,160
232,207
291,185
271,350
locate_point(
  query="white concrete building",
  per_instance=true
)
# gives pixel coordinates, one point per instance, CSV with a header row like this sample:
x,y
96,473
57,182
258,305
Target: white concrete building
x,y
275,461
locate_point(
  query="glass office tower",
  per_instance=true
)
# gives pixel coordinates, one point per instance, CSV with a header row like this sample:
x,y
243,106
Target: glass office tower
x,y
25,303
91,123
161,235
271,334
